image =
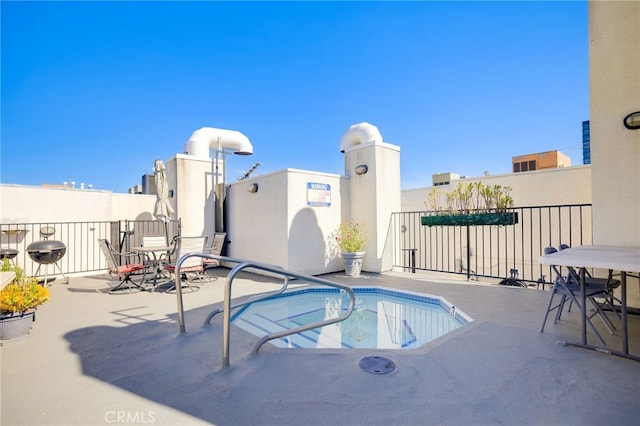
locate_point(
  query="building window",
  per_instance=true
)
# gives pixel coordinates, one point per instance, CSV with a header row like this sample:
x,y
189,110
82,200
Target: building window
x,y
516,167
532,165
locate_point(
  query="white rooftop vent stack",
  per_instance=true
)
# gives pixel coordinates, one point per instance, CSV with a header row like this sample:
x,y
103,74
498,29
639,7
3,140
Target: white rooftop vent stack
x,y
207,138
221,141
360,134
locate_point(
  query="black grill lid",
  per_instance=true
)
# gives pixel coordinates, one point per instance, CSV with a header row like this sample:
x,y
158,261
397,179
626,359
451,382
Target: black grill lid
x,y
8,253
46,251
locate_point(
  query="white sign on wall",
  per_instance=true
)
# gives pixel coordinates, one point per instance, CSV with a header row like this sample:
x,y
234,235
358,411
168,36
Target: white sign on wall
x,y
318,194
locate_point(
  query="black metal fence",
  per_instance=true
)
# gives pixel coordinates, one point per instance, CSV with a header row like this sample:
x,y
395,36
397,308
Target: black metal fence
x,y
489,251
83,253
475,251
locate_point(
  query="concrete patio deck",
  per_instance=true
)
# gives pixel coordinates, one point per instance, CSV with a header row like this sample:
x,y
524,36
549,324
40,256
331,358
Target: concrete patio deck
x,y
98,359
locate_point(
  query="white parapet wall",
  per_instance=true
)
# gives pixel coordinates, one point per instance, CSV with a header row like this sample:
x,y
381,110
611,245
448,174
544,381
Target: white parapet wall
x,y
570,185
27,204
288,221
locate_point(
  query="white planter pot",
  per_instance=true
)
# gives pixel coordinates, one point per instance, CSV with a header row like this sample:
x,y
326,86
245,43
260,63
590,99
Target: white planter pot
x,y
17,325
352,263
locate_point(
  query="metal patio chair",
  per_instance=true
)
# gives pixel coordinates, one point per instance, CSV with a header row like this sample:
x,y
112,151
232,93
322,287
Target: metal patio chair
x,y
157,259
605,285
217,245
193,266
131,272
568,288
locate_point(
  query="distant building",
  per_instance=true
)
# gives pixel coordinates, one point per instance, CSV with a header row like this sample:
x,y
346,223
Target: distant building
x,y
586,143
440,179
149,184
541,160
137,189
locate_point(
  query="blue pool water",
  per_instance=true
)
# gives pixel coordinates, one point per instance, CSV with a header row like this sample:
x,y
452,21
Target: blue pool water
x,y
381,319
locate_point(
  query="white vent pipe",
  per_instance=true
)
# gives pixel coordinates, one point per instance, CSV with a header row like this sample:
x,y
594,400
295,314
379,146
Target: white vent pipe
x,y
362,133
208,137
219,140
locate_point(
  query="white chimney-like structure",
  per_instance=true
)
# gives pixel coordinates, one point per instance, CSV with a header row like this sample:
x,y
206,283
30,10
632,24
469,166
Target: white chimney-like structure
x,y
373,169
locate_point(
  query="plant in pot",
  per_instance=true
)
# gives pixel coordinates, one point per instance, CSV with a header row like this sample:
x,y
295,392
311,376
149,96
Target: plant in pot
x,y
472,204
351,239
18,302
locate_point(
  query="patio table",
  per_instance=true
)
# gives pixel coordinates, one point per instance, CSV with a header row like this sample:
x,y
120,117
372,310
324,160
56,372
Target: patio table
x,y
616,258
153,251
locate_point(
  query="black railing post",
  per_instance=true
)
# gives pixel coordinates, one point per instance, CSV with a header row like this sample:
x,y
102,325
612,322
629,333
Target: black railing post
x,y
468,255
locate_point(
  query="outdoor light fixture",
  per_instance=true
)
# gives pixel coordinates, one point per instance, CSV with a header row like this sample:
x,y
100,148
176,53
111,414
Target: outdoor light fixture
x,y
362,169
253,188
632,121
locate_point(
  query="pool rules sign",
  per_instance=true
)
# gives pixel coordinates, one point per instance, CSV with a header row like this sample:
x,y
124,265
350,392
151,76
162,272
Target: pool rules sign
x,y
318,194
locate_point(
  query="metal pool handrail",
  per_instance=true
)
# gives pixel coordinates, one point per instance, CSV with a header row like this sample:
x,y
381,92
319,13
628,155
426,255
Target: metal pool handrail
x,y
179,262
252,299
242,265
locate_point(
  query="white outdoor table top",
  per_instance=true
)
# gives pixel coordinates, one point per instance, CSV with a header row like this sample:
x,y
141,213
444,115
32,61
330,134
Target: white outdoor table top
x,y
617,258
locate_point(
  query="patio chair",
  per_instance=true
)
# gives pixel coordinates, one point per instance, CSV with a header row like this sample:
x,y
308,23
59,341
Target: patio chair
x,y
193,265
606,285
134,266
215,249
169,256
568,288
157,258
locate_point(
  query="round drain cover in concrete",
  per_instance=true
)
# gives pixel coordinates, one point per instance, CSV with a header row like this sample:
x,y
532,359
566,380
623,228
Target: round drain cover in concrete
x,y
377,365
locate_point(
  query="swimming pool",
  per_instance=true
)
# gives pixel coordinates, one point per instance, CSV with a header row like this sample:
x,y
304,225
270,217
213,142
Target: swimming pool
x,y
382,318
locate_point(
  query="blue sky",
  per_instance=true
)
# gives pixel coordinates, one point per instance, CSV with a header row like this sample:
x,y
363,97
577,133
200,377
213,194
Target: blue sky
x,y
94,92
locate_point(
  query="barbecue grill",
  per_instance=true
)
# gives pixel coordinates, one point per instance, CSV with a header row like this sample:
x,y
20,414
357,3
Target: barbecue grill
x,y
47,252
9,254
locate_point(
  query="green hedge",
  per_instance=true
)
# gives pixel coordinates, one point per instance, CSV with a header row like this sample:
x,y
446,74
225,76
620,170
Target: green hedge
x,y
470,219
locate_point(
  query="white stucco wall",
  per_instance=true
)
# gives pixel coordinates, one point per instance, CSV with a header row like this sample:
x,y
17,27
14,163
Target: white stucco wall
x,y
257,222
26,204
310,246
275,225
571,185
614,65
191,179
132,207
374,196
614,59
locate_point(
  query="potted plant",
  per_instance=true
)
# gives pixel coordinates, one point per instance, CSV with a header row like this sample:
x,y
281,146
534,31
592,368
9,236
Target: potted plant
x,y
351,239
18,302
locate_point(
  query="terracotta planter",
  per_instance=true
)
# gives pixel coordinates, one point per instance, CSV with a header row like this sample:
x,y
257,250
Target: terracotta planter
x,y
16,325
472,219
352,263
